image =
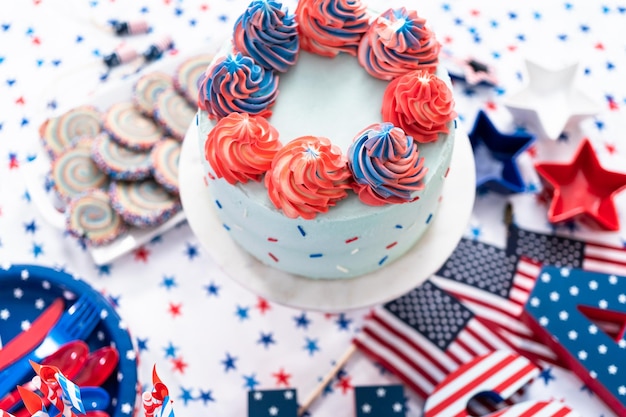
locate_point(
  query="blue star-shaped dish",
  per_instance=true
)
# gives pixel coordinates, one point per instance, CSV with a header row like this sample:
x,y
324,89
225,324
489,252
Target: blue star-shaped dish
x,y
495,155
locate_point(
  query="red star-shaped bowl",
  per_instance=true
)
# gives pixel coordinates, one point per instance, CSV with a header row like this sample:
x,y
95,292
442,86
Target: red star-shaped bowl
x,y
582,188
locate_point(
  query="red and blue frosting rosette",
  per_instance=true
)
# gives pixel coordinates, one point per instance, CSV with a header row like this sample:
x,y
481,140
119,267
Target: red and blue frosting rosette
x,y
268,34
386,165
236,83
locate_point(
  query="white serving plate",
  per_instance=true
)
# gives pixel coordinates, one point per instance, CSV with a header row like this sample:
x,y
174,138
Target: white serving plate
x,y
385,284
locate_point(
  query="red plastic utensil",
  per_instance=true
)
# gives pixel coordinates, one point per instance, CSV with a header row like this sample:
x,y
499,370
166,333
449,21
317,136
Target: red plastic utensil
x,y
97,368
29,339
69,358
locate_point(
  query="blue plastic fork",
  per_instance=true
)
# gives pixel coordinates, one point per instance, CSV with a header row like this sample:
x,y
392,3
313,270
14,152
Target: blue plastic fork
x,y
76,323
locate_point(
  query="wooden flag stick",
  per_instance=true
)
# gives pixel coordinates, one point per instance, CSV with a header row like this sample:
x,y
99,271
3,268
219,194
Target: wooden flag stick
x,y
329,376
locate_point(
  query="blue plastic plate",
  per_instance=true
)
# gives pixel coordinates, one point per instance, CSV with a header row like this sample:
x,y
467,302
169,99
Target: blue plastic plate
x,y
26,290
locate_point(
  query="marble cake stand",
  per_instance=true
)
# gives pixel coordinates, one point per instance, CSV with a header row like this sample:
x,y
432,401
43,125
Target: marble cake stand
x,y
390,282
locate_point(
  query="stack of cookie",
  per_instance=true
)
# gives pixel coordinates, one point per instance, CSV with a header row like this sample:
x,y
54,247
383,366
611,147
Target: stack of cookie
x,y
118,168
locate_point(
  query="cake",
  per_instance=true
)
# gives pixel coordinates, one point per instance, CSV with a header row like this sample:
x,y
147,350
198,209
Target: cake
x,y
307,173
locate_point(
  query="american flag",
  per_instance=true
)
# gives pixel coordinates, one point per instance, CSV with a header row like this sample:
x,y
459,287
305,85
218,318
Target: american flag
x,y
503,373
424,335
380,400
5,413
495,286
269,403
537,409
562,251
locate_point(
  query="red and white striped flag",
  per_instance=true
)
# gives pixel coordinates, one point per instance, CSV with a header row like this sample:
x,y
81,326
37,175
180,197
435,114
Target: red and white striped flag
x,y
425,335
500,373
562,251
537,409
495,286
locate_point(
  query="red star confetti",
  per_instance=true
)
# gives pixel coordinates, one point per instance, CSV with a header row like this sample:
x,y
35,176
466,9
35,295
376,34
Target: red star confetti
x,y
345,384
263,305
179,365
282,378
174,309
141,254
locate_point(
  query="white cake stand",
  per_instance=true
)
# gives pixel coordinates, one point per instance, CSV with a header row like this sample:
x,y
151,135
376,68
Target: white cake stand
x,y
390,282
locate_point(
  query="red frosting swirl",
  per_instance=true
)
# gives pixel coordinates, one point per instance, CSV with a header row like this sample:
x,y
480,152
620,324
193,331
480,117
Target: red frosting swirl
x,y
397,42
328,27
241,147
308,175
420,103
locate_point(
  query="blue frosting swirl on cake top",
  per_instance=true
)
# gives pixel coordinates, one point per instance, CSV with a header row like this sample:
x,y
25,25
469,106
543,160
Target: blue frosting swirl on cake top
x,y
268,34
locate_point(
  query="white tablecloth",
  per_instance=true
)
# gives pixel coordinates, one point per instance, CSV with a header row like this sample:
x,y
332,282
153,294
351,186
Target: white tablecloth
x,y
211,339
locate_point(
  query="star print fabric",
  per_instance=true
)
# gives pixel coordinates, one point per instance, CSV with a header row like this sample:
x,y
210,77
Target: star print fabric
x,y
212,339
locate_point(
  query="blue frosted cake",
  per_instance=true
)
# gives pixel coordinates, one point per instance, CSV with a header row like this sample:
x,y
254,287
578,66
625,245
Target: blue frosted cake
x,y
342,172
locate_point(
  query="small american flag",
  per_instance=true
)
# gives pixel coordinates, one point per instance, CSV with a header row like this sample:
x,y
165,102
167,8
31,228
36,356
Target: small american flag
x,y
5,414
270,403
501,373
562,251
537,409
495,286
380,401
424,335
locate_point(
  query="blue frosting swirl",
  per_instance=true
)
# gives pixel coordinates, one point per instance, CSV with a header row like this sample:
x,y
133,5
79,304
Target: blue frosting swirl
x,y
268,34
385,164
237,84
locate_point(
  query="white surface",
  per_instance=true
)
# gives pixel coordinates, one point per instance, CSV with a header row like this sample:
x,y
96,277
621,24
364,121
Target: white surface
x,y
36,171
390,282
